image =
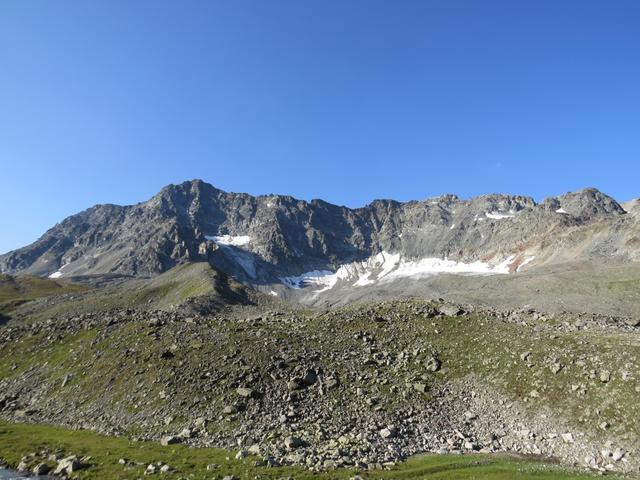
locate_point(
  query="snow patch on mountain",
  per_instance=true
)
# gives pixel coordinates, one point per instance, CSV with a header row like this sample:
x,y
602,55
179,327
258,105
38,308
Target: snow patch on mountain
x,y
236,241
525,261
500,215
322,278
229,245
59,273
387,266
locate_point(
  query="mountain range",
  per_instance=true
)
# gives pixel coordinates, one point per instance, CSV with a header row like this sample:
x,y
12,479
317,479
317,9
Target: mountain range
x,y
287,246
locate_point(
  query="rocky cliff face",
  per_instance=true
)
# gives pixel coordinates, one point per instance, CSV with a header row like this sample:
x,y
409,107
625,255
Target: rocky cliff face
x,y
288,243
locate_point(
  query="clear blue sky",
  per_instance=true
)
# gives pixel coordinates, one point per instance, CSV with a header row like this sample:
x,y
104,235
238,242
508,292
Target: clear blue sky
x,y
346,100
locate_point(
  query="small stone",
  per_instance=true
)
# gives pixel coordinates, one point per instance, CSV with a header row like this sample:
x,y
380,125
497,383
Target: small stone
x,y
331,382
295,384
555,368
293,442
389,432
170,440
468,415
470,446
245,392
618,454
254,449
41,469
68,465
433,364
567,437
420,387
605,376
310,378
450,310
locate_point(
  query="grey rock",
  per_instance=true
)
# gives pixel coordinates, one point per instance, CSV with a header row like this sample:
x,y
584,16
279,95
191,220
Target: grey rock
x,y
293,442
433,364
450,310
170,440
246,392
389,432
41,469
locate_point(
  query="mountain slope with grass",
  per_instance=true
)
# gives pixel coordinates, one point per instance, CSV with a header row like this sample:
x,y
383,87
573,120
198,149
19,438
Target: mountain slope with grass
x,y
17,291
194,287
356,387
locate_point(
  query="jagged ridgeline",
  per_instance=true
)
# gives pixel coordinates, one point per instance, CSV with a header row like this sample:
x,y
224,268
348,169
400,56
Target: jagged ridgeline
x,y
319,252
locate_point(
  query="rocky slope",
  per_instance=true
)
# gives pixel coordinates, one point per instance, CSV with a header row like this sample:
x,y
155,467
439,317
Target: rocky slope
x,y
287,246
359,386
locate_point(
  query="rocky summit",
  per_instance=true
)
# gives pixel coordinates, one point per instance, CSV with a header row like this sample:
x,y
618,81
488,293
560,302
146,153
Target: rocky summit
x,y
309,336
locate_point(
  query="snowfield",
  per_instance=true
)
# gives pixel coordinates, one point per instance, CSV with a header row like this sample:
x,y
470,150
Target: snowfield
x,y
236,241
500,215
387,266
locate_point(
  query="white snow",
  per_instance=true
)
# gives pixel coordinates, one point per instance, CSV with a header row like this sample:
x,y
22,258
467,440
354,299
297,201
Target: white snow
x,y
236,241
59,273
526,260
561,210
453,225
387,266
242,258
430,266
500,215
274,293
316,277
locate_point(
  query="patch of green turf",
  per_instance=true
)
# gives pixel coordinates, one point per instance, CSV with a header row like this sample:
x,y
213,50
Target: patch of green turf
x,y
15,291
17,440
164,292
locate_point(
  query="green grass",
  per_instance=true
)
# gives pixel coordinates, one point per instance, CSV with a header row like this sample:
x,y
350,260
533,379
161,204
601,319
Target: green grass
x,y
17,440
164,292
16,291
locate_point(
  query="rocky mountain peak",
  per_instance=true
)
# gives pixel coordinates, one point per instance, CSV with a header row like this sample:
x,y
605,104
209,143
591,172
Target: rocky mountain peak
x,y
586,203
632,205
265,239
